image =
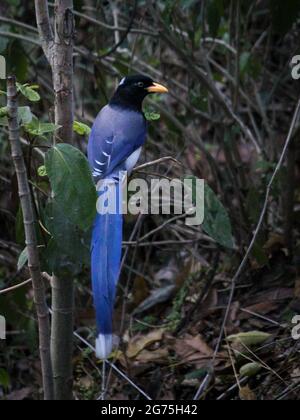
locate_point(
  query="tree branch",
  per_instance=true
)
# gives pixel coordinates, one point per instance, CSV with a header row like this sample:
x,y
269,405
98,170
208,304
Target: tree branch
x,y
59,49
17,286
62,69
44,26
31,241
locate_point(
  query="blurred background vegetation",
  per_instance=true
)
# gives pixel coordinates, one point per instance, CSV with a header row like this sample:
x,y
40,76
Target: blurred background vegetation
x,y
227,64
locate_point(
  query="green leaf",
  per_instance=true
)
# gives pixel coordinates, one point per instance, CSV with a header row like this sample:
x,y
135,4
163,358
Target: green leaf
x,y
4,378
42,171
72,184
38,128
81,128
244,62
23,259
3,112
4,116
25,115
216,220
196,374
151,116
69,247
250,338
29,92
250,369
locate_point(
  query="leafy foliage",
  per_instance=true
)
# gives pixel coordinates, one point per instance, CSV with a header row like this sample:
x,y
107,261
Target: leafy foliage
x,y
29,92
151,116
216,220
72,184
38,128
81,128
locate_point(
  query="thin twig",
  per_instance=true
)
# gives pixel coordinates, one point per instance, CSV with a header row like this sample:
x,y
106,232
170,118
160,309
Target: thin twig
x,y
7,34
111,27
18,23
17,286
156,162
114,367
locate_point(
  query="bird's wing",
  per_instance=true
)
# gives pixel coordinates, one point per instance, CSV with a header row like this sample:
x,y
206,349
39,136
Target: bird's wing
x,y
116,134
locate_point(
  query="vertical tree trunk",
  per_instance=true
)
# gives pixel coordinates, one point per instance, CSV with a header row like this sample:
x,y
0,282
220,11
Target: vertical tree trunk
x,y
31,241
62,68
62,289
62,336
58,48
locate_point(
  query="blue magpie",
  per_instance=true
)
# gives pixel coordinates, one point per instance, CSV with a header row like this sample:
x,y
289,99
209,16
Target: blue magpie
x,y
115,145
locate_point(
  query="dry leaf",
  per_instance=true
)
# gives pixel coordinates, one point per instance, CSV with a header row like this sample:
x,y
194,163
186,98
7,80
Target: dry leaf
x,y
157,356
274,243
297,288
246,394
140,291
193,350
262,308
139,342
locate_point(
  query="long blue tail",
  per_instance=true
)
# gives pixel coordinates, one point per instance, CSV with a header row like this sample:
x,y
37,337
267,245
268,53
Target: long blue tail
x,y
106,256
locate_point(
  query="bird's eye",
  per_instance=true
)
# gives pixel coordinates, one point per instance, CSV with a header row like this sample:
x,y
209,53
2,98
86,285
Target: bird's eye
x,y
140,84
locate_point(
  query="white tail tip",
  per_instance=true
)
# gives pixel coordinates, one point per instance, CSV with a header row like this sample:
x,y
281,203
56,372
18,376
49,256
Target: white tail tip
x,y
104,345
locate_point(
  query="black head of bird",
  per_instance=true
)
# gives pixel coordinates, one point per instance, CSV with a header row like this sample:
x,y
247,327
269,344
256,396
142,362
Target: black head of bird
x,y
132,90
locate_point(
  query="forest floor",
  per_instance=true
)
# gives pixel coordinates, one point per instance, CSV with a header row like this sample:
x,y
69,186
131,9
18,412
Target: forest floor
x,y
172,332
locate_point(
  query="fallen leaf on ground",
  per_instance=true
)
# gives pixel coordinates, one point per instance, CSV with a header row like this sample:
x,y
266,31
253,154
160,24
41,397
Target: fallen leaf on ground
x,y
250,338
193,350
157,356
250,369
139,342
297,288
262,308
246,394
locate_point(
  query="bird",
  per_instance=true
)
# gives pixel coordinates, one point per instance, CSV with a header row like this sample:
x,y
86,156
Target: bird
x,y
116,140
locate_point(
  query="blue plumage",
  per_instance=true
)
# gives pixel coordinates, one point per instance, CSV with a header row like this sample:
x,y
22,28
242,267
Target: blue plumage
x,y
105,262
115,143
117,132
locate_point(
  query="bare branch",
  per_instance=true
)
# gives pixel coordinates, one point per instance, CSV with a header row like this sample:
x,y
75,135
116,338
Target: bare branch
x,y
156,162
110,27
20,37
114,367
17,286
44,26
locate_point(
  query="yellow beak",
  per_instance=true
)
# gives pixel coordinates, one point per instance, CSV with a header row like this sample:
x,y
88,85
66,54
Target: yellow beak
x,y
157,88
